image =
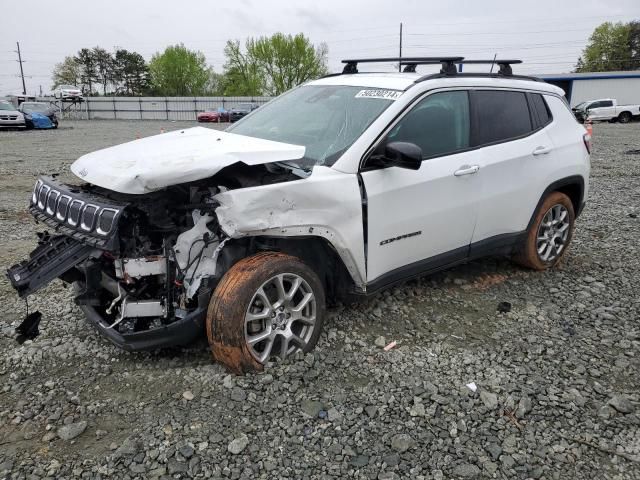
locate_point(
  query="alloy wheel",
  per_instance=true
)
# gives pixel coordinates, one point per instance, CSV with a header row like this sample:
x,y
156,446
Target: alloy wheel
x,y
281,317
553,233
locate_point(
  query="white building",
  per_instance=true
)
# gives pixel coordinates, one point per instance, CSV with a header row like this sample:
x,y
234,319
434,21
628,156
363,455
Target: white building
x,y
578,87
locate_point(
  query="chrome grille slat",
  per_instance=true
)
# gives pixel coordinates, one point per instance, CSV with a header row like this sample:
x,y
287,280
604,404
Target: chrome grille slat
x,y
60,205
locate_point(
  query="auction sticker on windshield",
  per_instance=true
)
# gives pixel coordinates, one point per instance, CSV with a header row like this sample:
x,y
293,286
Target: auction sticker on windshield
x,y
378,93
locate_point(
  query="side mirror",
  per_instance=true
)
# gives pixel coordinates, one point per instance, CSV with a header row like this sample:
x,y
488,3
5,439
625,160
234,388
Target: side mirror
x,y
402,155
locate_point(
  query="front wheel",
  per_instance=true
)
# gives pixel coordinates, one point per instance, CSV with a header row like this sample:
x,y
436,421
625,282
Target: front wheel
x,y
550,233
269,304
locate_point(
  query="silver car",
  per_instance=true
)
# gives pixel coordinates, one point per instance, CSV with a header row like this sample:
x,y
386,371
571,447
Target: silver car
x,y
9,116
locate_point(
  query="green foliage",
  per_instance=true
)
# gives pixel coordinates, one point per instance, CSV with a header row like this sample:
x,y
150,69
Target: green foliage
x,y
272,65
66,72
609,49
179,71
131,73
634,43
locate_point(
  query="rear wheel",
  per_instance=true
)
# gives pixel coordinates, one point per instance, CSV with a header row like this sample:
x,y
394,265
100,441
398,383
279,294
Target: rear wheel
x,y
269,304
624,117
550,234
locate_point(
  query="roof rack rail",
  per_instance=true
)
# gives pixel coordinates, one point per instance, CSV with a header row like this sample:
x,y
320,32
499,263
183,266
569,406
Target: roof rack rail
x,y
448,63
505,65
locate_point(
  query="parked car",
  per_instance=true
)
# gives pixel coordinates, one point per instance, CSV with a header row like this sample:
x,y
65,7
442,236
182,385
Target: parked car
x,y
337,189
41,108
68,92
10,116
241,110
219,115
605,109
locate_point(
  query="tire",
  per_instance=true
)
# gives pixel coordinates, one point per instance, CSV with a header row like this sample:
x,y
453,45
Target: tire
x,y
624,117
243,338
555,221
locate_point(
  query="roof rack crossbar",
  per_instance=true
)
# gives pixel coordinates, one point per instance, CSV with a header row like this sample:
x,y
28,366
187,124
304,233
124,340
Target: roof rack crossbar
x,y
351,65
505,65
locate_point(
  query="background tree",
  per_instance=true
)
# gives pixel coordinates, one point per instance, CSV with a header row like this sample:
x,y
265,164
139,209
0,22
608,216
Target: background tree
x,y
66,72
288,61
242,74
179,71
634,44
272,65
88,75
104,67
131,73
608,49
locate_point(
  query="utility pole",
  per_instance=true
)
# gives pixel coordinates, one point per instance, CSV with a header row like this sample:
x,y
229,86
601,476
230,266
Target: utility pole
x,y
400,55
24,87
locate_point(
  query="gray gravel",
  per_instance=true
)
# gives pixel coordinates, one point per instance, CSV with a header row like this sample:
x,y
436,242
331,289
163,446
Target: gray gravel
x,y
557,377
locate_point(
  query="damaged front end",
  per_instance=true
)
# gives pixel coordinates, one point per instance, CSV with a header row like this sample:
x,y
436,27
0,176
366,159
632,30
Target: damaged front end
x,y
142,266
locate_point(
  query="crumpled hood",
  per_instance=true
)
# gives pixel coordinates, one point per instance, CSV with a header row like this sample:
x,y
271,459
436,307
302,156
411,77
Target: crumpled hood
x,y
152,163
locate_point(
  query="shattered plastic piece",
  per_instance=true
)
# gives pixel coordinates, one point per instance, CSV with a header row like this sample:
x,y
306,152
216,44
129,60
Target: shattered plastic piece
x,y
504,307
28,329
472,386
390,346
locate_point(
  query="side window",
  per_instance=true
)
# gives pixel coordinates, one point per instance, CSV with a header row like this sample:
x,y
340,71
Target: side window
x,y
540,109
499,116
439,124
606,103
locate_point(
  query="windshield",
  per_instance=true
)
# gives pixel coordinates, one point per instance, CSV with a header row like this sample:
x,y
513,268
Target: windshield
x,y
68,87
35,107
6,106
580,106
325,119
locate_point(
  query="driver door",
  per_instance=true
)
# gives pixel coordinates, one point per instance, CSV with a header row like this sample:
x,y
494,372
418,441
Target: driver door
x,y
419,220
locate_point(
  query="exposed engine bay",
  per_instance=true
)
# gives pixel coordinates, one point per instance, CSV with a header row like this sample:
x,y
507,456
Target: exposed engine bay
x,y
138,263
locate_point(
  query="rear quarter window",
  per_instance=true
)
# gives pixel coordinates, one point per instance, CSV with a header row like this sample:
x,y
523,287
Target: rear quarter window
x,y
499,116
540,110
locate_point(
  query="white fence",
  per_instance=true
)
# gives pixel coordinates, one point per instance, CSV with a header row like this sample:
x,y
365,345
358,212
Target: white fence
x,y
147,108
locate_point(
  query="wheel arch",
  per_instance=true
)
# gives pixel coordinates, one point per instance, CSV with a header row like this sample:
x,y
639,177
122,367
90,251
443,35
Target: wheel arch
x,y
315,251
572,186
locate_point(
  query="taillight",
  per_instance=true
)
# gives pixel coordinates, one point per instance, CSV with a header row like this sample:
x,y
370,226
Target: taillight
x,y
587,142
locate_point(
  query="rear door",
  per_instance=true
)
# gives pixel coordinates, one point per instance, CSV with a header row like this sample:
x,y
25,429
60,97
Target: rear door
x,y
517,150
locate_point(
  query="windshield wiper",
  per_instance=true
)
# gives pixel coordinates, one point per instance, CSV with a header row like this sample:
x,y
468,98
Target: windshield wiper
x,y
298,170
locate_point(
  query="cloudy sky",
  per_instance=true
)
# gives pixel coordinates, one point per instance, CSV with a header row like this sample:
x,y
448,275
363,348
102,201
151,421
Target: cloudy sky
x,y
547,34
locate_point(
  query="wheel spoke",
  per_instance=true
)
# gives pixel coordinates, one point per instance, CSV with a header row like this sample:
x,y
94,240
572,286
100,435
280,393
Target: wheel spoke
x,y
266,352
294,288
310,321
253,339
284,346
297,341
262,295
303,303
252,317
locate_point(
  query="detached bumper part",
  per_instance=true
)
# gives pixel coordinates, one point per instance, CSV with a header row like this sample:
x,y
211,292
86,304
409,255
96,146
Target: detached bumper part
x,y
52,258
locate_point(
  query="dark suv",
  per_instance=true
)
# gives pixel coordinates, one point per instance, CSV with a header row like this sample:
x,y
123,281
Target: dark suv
x,y
241,110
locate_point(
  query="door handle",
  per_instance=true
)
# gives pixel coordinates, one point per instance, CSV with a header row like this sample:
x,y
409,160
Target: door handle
x,y
466,170
541,150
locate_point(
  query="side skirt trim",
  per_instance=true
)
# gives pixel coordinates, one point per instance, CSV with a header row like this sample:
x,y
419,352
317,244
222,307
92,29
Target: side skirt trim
x,y
503,244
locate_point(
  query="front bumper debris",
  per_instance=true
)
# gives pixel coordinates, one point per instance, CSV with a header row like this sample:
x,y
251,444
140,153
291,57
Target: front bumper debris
x,y
53,257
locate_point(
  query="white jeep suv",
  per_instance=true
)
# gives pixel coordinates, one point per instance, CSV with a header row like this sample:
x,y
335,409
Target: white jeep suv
x,y
340,187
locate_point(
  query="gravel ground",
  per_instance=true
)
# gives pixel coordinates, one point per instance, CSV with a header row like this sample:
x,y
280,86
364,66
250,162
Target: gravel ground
x,y
557,377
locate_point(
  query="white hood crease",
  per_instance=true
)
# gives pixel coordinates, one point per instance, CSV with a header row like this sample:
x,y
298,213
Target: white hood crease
x,y
156,162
